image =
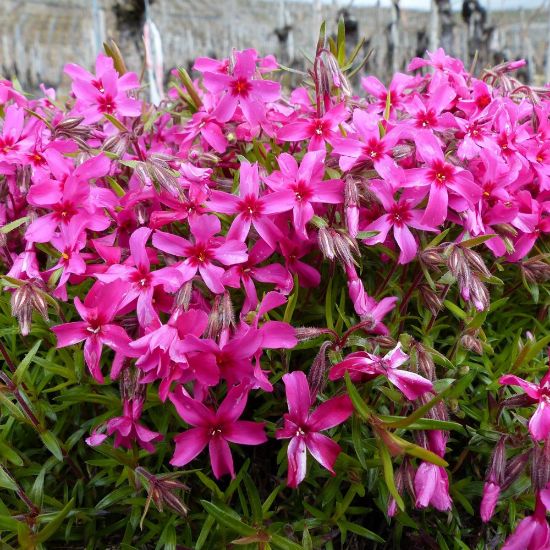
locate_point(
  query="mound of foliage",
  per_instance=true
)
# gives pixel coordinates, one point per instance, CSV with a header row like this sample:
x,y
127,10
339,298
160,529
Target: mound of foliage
x,y
250,317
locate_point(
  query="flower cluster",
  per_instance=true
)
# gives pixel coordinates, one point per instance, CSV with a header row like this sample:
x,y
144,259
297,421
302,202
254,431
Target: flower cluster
x,y
177,240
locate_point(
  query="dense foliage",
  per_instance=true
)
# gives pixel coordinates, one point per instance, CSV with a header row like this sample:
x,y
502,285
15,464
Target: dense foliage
x,y
248,317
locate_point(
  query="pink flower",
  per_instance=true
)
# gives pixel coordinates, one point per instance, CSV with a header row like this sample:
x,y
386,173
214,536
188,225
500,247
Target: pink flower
x,y
362,364
539,424
127,429
532,532
104,93
142,280
431,485
400,215
201,253
307,186
491,493
98,311
251,207
440,178
242,89
251,271
215,429
303,428
317,130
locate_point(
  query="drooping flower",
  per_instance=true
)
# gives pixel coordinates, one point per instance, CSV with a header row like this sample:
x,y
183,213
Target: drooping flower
x,y
303,428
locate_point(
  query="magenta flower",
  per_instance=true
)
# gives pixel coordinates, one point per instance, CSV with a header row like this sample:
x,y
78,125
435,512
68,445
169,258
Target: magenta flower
x,y
201,253
303,428
98,311
71,198
371,147
362,364
491,493
440,178
160,354
142,280
307,186
431,485
242,89
317,130
251,271
215,429
539,424
15,140
251,207
127,429
532,532
104,93
400,215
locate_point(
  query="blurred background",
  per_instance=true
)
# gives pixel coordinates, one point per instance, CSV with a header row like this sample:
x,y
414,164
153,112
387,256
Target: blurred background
x,y
37,37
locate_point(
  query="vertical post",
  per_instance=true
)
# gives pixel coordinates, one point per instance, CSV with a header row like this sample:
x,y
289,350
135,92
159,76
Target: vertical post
x,y
434,26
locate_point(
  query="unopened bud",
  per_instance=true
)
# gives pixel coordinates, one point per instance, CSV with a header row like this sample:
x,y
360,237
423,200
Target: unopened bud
x,y
476,262
183,296
310,333
540,471
317,378
431,299
497,466
470,342
431,257
326,243
514,468
69,123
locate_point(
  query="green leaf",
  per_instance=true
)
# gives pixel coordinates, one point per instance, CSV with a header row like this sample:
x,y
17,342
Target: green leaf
x,y
115,186
229,520
387,467
115,122
190,87
54,525
292,301
470,243
455,310
52,443
419,452
360,406
25,362
5,229
9,454
529,352
341,41
254,499
360,530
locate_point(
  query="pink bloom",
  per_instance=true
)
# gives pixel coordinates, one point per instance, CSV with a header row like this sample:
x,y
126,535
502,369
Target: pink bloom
x,y
307,186
363,364
431,485
491,492
160,353
242,89
98,311
303,428
539,424
251,271
317,130
400,215
142,280
201,253
215,429
440,178
127,429
251,208
532,532
104,93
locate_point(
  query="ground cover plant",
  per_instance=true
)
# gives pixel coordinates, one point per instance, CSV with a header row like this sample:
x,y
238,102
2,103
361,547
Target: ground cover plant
x,y
267,318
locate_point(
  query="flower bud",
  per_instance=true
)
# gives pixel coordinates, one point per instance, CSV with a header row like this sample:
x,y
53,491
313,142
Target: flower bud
x,y
431,299
304,334
326,243
316,377
514,468
540,470
470,342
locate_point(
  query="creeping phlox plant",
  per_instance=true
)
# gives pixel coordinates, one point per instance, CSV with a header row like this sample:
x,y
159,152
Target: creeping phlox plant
x,y
305,318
